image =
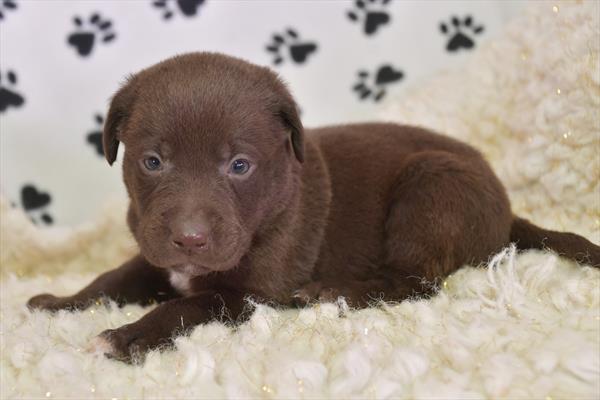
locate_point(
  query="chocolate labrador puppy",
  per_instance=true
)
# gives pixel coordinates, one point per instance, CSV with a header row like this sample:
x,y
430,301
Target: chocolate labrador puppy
x,y
231,197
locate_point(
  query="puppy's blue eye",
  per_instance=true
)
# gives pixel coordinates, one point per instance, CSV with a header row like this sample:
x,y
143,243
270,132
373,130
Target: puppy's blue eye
x,y
240,166
152,163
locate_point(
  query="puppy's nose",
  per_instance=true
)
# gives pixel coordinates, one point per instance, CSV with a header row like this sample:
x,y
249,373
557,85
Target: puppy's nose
x,y
196,239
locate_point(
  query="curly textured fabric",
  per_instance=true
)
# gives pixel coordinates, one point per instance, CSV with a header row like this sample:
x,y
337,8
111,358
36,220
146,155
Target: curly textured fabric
x,y
527,326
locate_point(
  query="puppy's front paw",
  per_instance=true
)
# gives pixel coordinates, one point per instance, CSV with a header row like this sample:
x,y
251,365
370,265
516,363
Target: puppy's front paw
x,y
127,343
45,302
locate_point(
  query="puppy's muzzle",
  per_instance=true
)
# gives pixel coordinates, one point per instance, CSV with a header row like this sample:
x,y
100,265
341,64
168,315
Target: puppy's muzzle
x,y
191,235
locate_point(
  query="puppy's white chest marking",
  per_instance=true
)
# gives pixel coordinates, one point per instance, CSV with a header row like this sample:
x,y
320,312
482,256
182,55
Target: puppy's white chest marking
x,y
181,281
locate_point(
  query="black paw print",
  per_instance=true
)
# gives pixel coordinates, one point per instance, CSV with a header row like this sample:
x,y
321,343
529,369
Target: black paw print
x,y
35,204
189,8
458,37
298,50
95,137
6,5
83,38
9,97
385,75
372,18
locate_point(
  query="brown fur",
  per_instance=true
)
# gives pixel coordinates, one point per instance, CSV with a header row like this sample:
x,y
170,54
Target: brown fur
x,y
362,211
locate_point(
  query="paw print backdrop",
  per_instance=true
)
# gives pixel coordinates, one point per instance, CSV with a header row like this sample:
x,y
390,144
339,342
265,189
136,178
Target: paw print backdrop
x,y
88,32
60,61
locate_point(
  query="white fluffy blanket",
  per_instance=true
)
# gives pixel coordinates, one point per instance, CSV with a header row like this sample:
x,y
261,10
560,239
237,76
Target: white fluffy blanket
x,y
527,326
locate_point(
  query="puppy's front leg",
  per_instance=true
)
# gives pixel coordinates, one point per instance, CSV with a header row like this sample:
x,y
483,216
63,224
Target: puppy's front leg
x,y
136,281
131,342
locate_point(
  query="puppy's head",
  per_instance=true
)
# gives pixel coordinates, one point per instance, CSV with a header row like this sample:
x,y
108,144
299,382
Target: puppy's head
x,y
213,147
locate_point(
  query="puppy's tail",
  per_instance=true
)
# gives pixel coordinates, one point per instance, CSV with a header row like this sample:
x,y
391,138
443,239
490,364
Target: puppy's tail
x,y
528,236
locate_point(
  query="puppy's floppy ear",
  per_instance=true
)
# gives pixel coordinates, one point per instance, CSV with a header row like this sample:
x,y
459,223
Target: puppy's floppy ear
x,y
119,111
290,117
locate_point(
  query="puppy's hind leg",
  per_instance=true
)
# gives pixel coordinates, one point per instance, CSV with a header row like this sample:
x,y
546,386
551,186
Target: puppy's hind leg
x,y
136,281
445,211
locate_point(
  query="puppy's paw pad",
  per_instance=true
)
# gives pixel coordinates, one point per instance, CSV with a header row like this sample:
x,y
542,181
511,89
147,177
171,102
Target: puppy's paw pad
x,y
125,344
100,345
113,343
